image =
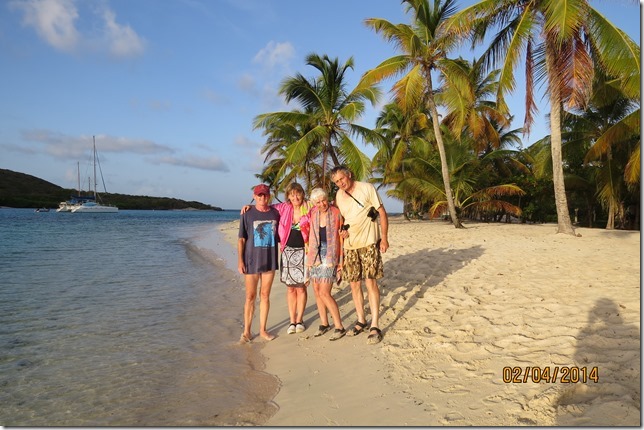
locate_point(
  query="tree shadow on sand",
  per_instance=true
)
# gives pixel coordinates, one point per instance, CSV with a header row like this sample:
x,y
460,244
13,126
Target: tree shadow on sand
x,y
407,280
613,347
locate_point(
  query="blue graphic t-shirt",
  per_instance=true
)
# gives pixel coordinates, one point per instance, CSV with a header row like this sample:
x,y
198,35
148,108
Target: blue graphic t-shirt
x,y
260,231
264,234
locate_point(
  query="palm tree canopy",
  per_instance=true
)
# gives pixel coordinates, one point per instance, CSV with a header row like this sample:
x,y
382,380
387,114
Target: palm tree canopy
x,y
576,31
467,94
325,121
424,45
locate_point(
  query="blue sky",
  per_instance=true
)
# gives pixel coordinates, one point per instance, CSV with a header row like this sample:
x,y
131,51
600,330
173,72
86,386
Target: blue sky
x,y
170,88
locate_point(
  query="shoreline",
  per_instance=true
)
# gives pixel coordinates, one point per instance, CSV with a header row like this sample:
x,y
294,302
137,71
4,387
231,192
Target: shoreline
x,y
249,399
458,307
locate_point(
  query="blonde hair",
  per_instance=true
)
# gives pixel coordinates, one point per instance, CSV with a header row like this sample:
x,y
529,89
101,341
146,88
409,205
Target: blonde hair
x,y
294,186
318,193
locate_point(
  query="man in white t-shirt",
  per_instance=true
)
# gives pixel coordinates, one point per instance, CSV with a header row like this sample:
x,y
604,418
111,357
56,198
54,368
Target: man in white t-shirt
x,y
364,241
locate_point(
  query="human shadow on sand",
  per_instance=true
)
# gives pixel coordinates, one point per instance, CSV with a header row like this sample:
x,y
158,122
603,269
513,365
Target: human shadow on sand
x,y
406,280
428,268
613,348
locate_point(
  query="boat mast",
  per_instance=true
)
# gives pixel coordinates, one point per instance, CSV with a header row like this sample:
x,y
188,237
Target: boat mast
x,y
94,139
78,168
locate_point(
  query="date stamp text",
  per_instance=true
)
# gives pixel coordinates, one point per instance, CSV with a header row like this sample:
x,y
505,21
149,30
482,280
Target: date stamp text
x,y
550,374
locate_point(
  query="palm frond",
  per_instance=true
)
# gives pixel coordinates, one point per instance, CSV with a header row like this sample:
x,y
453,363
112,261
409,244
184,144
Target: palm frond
x,y
619,54
491,207
563,18
393,66
409,91
617,133
632,170
353,158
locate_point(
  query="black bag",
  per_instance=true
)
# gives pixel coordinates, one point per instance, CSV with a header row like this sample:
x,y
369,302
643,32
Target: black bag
x,y
373,214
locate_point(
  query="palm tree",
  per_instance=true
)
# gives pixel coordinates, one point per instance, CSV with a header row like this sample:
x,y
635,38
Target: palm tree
x,y
400,133
327,119
466,94
424,45
477,186
562,41
609,130
280,136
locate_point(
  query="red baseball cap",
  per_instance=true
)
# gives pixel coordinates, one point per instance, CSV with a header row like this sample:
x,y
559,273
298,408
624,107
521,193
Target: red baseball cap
x,y
261,189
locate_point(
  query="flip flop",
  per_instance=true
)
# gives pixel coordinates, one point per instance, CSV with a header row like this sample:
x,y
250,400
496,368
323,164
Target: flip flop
x,y
374,337
356,331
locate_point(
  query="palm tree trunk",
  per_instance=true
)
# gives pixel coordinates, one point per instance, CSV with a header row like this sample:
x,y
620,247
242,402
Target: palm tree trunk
x,y
564,224
612,214
441,152
328,151
445,170
324,167
610,224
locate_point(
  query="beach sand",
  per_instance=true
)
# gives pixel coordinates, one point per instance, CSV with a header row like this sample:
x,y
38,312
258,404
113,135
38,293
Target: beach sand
x,y
458,306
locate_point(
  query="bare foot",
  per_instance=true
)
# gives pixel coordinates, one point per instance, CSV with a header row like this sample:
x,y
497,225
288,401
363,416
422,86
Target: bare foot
x,y
244,338
267,336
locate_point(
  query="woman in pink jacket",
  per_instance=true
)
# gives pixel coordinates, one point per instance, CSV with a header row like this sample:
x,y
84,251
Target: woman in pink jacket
x,y
293,232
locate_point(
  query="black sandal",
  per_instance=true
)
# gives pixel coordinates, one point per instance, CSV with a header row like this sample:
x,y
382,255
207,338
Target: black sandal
x,y
322,329
374,337
356,331
338,333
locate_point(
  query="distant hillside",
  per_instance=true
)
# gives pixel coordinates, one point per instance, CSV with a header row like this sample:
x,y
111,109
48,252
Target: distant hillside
x,y
19,190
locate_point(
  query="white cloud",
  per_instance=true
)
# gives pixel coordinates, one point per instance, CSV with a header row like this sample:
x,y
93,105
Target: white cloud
x,y
128,145
63,146
275,54
122,41
211,163
274,60
56,22
53,20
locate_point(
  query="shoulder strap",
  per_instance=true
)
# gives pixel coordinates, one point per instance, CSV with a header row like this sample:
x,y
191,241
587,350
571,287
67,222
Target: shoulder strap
x,y
361,205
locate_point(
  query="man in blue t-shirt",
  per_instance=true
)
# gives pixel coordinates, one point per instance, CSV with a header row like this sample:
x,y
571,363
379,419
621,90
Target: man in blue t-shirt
x,y
257,258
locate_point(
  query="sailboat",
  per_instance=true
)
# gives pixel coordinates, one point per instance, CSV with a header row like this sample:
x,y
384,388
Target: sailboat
x,y
75,200
92,206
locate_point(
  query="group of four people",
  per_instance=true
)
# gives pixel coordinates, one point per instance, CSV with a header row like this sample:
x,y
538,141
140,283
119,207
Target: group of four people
x,y
320,244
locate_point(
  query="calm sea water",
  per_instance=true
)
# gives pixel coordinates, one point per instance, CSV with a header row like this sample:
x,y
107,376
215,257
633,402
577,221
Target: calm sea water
x,y
127,319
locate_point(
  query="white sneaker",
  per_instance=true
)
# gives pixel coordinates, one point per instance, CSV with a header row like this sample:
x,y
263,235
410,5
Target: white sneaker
x,y
291,329
299,328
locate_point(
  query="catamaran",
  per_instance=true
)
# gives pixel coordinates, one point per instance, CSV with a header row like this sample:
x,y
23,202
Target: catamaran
x,y
74,201
91,206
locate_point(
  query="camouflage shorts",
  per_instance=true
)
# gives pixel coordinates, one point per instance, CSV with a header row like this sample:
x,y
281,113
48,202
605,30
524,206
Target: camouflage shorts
x,y
363,263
